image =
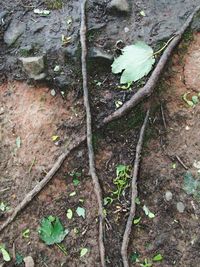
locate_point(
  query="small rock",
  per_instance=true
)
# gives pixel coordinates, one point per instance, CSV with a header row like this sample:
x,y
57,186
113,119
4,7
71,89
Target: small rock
x,y
96,53
13,32
56,68
53,92
61,82
119,5
1,111
168,195
126,29
29,262
34,67
180,207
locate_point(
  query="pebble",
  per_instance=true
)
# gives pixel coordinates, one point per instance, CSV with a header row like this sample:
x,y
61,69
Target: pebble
x,y
1,111
53,92
126,29
119,5
29,262
180,207
168,195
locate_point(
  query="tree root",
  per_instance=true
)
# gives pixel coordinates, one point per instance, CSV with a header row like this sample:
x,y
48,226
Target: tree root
x,y
139,96
129,223
95,179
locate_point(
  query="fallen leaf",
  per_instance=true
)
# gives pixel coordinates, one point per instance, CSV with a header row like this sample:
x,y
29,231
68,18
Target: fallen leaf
x,y
69,214
83,252
4,252
158,257
135,62
52,231
18,142
148,213
55,138
81,212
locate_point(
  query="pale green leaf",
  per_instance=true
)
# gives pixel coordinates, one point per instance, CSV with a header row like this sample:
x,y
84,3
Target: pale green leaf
x,y
136,61
69,214
81,212
189,102
5,253
72,194
148,213
137,220
158,257
195,99
26,233
18,142
83,252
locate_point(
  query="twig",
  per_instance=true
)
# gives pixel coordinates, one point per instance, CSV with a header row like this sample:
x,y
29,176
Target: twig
x,y
126,236
163,116
97,187
181,162
142,93
28,198
151,83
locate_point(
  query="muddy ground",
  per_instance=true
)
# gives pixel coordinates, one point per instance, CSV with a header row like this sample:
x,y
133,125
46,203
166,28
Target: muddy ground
x,y
31,114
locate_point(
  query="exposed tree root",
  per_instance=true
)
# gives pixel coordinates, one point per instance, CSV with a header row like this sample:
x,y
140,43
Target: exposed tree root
x,y
42,183
139,96
134,192
151,83
97,187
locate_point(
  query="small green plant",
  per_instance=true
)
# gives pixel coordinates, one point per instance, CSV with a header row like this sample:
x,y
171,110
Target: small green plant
x,y
146,263
76,176
4,207
123,175
191,185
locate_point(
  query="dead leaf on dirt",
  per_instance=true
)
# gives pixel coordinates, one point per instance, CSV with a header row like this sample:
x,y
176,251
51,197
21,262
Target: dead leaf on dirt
x,y
18,142
81,212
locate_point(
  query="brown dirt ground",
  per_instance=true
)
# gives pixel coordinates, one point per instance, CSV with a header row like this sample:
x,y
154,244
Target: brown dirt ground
x,y
35,116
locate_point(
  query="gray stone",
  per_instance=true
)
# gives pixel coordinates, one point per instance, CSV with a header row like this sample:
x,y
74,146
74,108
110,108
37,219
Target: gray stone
x,y
96,53
61,82
119,5
29,262
15,29
34,67
180,207
168,195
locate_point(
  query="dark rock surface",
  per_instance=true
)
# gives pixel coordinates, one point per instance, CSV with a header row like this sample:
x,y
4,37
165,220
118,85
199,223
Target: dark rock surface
x,y
26,34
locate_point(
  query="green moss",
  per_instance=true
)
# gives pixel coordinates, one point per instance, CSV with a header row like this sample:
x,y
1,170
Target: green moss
x,y
54,4
131,121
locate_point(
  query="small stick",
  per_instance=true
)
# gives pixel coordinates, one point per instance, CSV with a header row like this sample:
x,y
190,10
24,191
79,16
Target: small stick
x,y
181,162
126,236
163,116
147,90
95,179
